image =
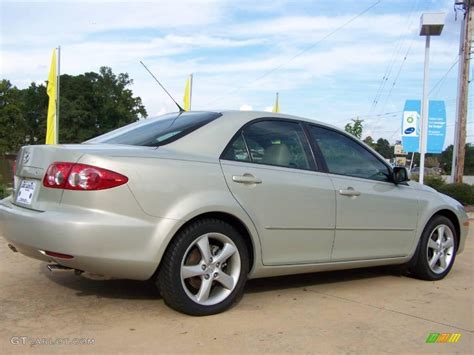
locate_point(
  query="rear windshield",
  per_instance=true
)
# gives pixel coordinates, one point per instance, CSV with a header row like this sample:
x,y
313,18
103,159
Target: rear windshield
x,y
161,130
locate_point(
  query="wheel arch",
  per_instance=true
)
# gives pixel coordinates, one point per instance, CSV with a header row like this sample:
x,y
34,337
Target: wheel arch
x,y
229,218
446,212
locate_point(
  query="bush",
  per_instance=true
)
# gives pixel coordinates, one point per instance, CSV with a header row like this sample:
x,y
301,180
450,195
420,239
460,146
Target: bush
x,y
464,193
434,181
3,189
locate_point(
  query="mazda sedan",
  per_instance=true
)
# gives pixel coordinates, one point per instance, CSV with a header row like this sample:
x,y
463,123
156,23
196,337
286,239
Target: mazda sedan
x,y
201,201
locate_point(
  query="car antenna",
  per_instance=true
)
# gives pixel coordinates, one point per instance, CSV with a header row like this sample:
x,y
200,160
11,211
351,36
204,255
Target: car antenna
x,y
181,110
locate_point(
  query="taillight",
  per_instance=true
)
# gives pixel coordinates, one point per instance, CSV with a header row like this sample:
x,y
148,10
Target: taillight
x,y
70,176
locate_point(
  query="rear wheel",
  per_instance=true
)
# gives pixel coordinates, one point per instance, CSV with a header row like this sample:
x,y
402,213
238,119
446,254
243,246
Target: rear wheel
x,y
204,269
437,250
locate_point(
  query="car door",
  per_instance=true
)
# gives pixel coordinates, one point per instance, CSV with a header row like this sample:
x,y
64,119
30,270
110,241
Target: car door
x,y
374,217
270,171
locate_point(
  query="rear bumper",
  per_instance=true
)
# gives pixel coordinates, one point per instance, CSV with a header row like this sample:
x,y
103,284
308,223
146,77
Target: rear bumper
x,y
103,243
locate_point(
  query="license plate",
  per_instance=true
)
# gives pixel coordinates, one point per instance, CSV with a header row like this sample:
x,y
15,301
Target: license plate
x,y
26,192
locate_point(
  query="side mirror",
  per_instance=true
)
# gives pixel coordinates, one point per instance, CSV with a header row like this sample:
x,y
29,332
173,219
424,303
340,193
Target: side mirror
x,y
400,175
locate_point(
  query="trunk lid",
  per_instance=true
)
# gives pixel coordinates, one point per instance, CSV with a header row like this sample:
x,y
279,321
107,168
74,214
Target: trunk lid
x,y
31,165
33,161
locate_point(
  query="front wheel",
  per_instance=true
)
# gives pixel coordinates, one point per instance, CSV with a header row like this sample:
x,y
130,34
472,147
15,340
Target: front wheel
x,y
204,269
437,250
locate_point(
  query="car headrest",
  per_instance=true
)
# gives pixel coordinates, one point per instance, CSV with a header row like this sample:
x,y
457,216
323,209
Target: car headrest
x,y
277,154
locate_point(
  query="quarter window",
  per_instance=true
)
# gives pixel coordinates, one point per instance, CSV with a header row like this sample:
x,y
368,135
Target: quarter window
x,y
344,156
237,150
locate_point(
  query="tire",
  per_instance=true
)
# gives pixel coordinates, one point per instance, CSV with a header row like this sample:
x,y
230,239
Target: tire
x,y
204,269
440,252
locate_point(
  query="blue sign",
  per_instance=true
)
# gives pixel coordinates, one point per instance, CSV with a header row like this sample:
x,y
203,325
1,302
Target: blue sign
x,y
411,126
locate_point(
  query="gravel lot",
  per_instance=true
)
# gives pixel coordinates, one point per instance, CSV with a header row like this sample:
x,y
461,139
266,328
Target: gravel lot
x,y
368,310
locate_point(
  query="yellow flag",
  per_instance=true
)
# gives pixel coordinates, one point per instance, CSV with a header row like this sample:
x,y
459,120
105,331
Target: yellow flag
x,y
276,108
187,93
52,93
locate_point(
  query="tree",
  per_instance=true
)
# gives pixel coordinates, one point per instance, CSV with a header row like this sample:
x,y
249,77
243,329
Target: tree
x,y
384,148
355,128
35,110
447,158
96,103
12,120
90,104
369,141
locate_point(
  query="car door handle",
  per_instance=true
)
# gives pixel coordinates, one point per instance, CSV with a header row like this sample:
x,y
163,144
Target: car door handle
x,y
246,179
349,192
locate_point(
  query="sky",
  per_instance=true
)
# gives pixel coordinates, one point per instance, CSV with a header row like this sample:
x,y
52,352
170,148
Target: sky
x,y
329,60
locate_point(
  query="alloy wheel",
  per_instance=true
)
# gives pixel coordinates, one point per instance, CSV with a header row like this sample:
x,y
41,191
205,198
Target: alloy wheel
x,y
210,269
440,248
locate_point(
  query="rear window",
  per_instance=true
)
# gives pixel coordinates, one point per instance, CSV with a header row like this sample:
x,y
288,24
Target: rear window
x,y
161,130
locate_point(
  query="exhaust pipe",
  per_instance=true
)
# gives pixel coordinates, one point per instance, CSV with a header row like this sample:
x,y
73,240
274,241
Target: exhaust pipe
x,y
57,267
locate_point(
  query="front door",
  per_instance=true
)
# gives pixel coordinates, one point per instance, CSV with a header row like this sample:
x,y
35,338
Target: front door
x,y
375,218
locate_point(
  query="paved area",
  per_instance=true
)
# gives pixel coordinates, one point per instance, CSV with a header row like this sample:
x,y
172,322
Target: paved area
x,y
467,179
369,310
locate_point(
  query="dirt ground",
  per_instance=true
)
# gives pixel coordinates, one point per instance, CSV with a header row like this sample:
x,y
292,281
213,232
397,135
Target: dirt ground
x,y
367,310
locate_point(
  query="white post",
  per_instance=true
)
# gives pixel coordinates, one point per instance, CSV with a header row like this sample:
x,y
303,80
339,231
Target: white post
x,y
424,112
57,95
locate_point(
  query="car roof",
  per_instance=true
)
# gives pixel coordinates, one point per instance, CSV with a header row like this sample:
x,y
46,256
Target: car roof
x,y
210,140
251,115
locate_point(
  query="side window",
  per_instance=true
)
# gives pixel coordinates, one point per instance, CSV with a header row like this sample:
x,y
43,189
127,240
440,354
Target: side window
x,y
278,143
344,156
237,150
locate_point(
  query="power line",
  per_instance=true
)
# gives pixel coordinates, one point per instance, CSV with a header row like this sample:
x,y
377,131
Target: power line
x,y
398,74
396,52
440,81
367,116
271,71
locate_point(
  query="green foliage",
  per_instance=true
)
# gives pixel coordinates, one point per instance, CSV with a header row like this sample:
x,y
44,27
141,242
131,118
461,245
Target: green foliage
x,y
369,141
384,148
434,181
464,193
3,188
12,119
355,128
469,160
90,104
447,158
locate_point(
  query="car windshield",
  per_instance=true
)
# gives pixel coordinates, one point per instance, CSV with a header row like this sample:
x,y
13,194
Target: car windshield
x,y
157,131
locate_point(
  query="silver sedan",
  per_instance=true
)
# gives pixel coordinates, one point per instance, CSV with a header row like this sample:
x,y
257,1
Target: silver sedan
x,y
201,201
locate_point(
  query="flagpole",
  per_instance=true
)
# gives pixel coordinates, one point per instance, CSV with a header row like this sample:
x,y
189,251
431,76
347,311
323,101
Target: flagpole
x,y
190,91
57,95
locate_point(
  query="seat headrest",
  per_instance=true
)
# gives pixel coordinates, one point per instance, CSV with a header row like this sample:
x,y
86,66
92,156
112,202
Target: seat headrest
x,y
277,154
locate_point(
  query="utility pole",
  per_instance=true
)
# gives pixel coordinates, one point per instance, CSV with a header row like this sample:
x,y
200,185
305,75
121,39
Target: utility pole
x,y
459,148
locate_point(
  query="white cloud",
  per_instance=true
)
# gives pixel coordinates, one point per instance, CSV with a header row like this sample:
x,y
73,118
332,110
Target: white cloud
x,y
246,107
228,53
312,27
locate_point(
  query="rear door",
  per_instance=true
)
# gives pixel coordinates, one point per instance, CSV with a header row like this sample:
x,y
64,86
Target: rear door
x,y
375,217
270,171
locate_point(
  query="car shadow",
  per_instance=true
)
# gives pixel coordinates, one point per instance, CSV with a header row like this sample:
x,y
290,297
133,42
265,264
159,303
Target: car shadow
x,y
320,278
115,288
146,290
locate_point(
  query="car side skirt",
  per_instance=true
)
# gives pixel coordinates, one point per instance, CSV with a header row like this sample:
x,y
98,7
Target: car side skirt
x,y
281,270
